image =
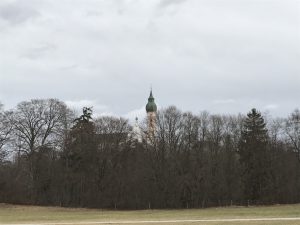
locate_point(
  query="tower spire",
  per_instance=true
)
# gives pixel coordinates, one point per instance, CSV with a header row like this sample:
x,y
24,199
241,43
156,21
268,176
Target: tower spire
x,y
151,106
151,109
151,95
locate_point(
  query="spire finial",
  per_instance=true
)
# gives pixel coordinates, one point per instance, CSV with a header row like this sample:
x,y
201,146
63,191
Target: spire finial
x,y
151,95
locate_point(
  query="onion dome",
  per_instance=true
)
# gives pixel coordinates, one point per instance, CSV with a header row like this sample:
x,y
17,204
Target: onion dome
x,y
151,106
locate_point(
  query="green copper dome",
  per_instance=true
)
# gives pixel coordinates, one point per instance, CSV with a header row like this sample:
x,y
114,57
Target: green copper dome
x,y
151,106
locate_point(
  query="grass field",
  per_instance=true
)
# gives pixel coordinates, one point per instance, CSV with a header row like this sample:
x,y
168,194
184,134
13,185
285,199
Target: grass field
x,y
13,214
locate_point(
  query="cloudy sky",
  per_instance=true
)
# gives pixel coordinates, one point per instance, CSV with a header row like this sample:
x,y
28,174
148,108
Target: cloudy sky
x,y
224,56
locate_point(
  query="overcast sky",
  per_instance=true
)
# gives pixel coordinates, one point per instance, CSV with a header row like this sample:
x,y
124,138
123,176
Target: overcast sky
x,y
224,56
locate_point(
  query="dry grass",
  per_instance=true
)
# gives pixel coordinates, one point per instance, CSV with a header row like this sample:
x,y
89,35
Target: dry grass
x,y
14,214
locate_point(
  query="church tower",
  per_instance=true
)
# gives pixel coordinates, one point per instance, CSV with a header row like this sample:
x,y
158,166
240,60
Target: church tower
x,y
151,110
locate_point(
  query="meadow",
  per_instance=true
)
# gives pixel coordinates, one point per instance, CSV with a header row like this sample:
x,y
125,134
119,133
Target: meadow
x,y
33,215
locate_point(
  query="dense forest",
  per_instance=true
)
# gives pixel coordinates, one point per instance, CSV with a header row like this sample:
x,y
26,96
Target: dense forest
x,y
51,156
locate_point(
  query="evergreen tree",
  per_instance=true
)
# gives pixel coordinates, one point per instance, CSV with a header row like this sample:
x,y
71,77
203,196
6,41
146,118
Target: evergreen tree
x,y
255,158
80,159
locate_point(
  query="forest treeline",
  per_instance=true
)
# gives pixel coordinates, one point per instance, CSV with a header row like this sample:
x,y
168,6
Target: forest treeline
x,y
50,156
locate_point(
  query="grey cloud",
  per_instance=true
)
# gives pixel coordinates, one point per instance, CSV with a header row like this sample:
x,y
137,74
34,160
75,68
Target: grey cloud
x,y
94,13
17,12
224,57
38,52
224,101
167,3
69,67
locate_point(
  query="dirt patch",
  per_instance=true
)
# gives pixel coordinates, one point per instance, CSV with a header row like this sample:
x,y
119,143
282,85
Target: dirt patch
x,y
5,205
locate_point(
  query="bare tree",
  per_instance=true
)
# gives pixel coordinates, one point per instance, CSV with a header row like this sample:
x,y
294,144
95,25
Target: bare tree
x,y
233,126
5,131
190,130
292,130
111,130
169,127
40,122
194,160
215,132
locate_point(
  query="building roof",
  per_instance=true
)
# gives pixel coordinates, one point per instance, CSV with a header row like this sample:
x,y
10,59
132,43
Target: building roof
x,y
151,106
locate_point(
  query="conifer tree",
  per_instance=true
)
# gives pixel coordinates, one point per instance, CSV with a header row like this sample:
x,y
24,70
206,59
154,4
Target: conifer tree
x,y
255,157
80,156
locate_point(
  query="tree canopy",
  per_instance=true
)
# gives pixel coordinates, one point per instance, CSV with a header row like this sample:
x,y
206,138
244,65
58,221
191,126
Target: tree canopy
x,y
54,157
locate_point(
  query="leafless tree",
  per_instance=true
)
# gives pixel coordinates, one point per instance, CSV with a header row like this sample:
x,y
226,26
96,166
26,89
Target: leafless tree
x,y
169,125
193,161
190,131
215,131
111,130
5,131
232,129
292,129
40,123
